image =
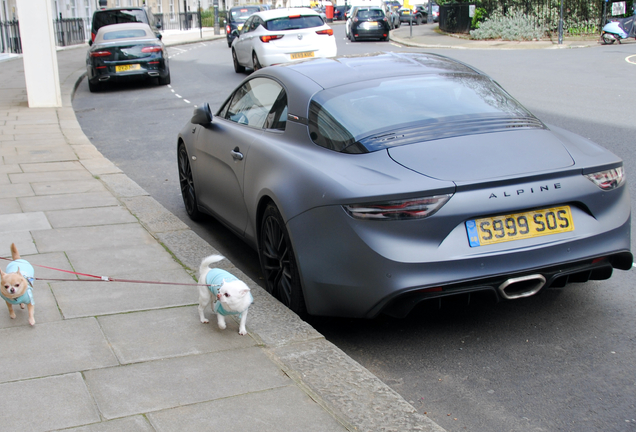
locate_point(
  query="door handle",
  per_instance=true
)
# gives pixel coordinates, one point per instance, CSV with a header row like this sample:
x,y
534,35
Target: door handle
x,y
236,154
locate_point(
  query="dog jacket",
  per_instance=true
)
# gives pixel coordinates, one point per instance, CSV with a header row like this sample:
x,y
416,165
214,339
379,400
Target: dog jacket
x,y
28,272
214,280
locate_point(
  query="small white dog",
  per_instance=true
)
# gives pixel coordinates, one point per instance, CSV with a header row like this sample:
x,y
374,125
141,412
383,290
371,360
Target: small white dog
x,y
232,296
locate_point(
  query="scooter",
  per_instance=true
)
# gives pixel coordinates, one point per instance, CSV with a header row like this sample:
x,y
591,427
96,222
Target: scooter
x,y
622,28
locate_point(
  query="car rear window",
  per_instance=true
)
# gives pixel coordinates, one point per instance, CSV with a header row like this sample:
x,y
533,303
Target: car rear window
x,y
243,13
370,14
124,34
294,22
108,17
374,115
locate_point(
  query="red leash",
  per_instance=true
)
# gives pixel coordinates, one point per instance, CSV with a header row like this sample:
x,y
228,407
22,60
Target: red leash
x,y
101,278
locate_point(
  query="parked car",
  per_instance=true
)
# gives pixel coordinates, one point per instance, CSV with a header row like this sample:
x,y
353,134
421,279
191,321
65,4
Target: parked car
x,y
236,17
123,52
435,13
339,12
418,14
393,16
369,23
104,17
359,203
281,36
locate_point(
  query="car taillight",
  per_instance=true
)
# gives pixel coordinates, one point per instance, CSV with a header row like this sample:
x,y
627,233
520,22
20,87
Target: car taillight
x,y
100,54
608,179
93,36
151,49
295,16
328,32
268,38
413,208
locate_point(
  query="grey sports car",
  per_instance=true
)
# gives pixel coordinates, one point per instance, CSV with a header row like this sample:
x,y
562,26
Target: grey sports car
x,y
360,203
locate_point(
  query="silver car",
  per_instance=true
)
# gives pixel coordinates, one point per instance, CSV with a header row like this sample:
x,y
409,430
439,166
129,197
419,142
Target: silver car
x,y
360,204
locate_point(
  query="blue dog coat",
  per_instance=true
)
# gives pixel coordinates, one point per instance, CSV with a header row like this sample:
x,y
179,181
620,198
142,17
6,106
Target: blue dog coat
x,y
214,280
28,272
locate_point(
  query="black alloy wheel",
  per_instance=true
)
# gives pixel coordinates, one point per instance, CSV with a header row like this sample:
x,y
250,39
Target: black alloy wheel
x,y
278,263
187,185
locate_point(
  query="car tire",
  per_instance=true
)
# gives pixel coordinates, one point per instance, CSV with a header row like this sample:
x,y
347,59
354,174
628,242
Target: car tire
x,y
237,67
94,87
164,80
278,263
419,20
256,65
186,182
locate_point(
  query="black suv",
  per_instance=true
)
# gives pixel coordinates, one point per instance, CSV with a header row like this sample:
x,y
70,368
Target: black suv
x,y
419,14
235,19
106,17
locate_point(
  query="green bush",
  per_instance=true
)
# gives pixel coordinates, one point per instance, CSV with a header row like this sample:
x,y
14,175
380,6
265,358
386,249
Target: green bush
x,y
515,26
480,16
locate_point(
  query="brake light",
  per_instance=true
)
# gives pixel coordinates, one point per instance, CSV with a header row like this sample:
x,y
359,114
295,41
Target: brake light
x,y
100,54
151,49
295,16
609,179
93,36
268,38
328,32
413,208
227,29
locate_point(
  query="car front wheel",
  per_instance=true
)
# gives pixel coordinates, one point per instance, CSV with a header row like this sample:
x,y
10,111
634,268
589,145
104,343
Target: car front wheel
x,y
278,262
237,67
187,184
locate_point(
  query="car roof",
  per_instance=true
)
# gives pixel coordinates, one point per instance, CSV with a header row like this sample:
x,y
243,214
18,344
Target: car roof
x,y
337,71
149,34
281,13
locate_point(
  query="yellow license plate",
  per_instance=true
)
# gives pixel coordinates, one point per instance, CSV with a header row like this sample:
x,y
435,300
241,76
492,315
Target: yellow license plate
x,y
124,68
302,55
499,229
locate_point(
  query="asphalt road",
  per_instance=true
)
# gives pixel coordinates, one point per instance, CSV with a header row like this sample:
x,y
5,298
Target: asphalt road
x,y
564,360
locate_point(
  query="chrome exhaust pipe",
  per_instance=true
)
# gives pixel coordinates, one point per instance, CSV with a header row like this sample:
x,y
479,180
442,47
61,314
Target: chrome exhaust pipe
x,y
153,74
104,78
524,286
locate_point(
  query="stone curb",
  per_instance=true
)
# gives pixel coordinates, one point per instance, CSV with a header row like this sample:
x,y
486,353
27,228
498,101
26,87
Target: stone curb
x,y
348,391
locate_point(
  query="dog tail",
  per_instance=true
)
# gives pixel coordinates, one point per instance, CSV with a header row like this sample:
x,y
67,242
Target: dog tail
x,y
14,252
205,264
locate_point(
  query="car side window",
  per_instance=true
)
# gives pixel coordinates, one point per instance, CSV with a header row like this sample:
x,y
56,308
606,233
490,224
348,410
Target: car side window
x,y
259,103
257,21
248,25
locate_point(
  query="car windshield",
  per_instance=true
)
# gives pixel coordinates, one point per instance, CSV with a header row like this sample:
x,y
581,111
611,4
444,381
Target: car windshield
x,y
294,22
123,34
242,14
421,108
368,14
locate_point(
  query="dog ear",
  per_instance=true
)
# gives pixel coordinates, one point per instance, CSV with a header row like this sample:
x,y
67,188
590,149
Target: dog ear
x,y
244,291
2,273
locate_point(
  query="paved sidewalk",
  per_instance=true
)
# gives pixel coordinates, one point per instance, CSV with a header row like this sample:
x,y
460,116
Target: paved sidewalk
x,y
107,356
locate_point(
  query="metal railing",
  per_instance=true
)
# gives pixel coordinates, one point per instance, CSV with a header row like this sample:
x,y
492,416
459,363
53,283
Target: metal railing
x,y
10,41
70,31
179,21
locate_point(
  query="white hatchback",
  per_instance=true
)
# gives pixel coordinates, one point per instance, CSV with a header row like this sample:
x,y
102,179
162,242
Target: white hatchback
x,y
282,36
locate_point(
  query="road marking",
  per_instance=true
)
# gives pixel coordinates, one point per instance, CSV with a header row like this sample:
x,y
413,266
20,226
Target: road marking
x,y
631,59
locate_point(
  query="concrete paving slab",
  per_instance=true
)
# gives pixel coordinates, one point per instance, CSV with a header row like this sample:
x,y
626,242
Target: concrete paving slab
x,y
46,309
78,345
68,187
90,217
42,156
99,166
88,151
50,177
124,260
22,239
128,424
4,179
267,411
84,299
47,403
10,169
24,222
9,206
63,202
16,191
174,332
51,166
87,238
152,386
122,185
153,215
186,245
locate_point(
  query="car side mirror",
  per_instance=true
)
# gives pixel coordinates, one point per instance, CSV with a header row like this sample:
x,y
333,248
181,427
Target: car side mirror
x,y
202,115
235,32
90,42
159,36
